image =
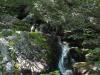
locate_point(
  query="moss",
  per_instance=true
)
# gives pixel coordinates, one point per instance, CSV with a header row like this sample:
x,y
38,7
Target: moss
x,y
52,73
21,26
94,73
97,64
94,55
0,34
7,32
11,43
39,39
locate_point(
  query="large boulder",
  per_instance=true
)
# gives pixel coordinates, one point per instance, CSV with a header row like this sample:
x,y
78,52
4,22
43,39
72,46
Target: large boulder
x,y
30,50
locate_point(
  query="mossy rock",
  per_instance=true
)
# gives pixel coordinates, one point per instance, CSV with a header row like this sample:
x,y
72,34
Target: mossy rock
x,y
7,32
39,39
50,47
93,55
80,65
21,26
34,46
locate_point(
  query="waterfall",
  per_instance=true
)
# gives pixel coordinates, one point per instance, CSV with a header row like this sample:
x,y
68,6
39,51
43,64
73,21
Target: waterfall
x,y
64,69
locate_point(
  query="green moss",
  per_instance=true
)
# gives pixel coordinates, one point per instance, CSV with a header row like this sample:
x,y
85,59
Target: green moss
x,y
52,73
94,73
21,26
97,64
7,32
11,43
93,57
95,52
38,38
0,34
41,40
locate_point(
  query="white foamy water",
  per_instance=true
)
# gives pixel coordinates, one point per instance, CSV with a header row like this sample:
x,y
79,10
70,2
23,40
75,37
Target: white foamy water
x,y
65,49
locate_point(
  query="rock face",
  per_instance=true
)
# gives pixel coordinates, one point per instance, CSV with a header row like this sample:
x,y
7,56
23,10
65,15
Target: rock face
x,y
77,56
83,68
55,54
29,50
4,50
3,46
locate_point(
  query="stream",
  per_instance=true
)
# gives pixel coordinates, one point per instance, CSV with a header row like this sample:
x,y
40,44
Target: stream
x,y
64,63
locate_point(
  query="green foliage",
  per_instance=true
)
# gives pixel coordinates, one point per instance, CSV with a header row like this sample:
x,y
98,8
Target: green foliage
x,y
21,26
13,55
15,2
89,33
52,73
68,14
39,39
97,64
75,36
10,6
95,73
96,27
51,11
95,53
93,56
0,34
7,32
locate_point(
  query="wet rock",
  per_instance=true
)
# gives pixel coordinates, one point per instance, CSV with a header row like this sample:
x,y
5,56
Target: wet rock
x,y
26,72
77,56
34,48
9,66
83,68
55,52
80,68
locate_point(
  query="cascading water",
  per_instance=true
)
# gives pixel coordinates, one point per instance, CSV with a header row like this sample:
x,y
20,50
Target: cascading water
x,y
64,69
